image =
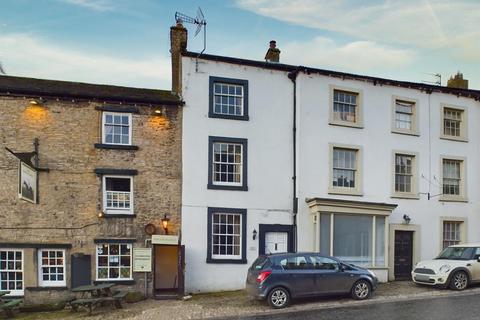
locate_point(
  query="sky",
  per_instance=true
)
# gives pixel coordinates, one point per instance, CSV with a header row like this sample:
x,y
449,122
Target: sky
x,y
126,42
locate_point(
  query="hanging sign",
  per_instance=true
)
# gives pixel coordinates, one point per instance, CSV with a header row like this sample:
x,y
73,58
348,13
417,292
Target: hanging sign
x,y
142,260
27,183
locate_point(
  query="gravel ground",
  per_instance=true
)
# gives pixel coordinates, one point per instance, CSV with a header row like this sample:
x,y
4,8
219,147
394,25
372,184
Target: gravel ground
x,y
235,303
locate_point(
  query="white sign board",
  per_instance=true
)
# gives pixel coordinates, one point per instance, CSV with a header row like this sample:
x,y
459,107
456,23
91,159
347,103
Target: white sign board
x,y
164,239
27,186
142,260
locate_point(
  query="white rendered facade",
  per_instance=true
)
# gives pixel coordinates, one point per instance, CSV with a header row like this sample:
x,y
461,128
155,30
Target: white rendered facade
x,y
373,202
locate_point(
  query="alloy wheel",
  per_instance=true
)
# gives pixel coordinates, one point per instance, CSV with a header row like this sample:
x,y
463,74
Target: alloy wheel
x,y
361,290
278,298
460,280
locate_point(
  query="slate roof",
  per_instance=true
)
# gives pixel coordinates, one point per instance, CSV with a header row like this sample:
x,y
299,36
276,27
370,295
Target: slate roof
x,y
20,86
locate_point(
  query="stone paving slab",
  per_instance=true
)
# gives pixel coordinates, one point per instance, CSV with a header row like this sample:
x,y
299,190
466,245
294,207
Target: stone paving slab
x,y
237,303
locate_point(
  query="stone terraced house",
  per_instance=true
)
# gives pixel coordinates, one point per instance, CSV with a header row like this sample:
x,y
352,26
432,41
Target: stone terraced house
x,y
88,174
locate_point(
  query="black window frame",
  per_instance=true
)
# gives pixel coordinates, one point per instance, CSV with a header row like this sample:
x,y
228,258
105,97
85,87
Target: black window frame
x,y
241,82
243,213
244,143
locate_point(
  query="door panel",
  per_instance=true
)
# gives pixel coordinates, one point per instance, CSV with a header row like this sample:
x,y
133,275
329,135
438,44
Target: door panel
x,y
276,242
476,265
166,267
329,278
299,274
81,270
403,254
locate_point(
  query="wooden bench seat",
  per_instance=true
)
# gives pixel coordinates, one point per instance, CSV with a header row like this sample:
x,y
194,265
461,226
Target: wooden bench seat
x,y
8,306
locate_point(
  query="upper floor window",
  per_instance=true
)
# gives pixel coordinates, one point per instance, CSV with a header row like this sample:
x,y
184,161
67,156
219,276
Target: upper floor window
x,y
228,98
405,181
345,174
346,107
453,179
227,163
405,116
118,194
454,121
117,128
451,233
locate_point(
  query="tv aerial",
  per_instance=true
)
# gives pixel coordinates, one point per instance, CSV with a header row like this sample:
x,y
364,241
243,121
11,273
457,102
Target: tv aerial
x,y
200,22
2,70
438,79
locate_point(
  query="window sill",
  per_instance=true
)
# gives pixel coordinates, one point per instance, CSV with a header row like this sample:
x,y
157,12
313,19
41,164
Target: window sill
x,y
410,196
407,133
119,215
452,199
451,138
222,187
227,261
124,282
228,117
345,192
115,146
356,125
59,288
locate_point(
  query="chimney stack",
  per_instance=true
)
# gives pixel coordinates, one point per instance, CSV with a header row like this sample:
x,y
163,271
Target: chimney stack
x,y
178,45
457,81
273,53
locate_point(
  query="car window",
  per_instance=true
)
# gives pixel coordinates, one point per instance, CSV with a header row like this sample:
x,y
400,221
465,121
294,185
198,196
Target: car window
x,y
295,263
477,253
261,263
324,263
457,253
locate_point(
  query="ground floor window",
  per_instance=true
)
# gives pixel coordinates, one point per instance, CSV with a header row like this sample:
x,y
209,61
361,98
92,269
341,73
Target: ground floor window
x,y
451,233
51,266
226,234
357,239
114,261
11,271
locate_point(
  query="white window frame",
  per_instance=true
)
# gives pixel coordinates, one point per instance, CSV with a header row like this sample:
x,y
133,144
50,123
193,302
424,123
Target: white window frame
x,y
97,246
413,194
129,115
49,283
463,124
358,123
462,197
227,256
357,191
128,211
22,270
242,96
463,228
241,164
414,131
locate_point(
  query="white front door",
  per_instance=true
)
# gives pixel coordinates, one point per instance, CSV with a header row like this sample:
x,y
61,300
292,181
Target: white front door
x,y
276,242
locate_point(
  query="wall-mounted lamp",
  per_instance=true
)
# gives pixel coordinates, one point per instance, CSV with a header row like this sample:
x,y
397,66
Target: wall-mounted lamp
x,y
406,218
159,112
101,214
254,233
37,102
165,221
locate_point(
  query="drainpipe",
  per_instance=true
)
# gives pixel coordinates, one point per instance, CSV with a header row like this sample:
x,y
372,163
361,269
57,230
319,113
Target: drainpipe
x,y
293,76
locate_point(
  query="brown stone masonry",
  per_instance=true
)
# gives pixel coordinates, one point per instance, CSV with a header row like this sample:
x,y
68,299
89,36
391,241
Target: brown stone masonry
x,y
70,194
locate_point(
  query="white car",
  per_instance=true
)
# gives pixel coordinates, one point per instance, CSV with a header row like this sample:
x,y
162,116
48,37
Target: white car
x,y
456,267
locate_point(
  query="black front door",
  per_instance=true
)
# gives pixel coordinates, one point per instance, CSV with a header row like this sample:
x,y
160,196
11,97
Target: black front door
x,y
81,270
403,254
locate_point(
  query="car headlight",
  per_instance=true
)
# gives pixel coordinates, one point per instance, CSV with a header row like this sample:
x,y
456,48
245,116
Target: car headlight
x,y
445,268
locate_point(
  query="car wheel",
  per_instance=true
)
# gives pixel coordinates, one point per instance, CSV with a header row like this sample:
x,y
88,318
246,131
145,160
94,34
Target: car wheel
x,y
361,290
459,280
278,298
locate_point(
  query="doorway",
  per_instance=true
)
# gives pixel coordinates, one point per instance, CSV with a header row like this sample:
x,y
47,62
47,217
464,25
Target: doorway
x,y
168,271
403,254
275,238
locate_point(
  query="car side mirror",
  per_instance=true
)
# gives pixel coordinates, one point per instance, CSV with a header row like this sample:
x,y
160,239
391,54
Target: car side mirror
x,y
342,268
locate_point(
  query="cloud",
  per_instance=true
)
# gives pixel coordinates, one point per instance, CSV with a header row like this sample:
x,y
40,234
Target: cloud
x,y
96,5
419,23
355,56
25,55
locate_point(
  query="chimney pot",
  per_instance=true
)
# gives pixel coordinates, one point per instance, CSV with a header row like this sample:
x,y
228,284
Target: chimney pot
x,y
457,81
273,53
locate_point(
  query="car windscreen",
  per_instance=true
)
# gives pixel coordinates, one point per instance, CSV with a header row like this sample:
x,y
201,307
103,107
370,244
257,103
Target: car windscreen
x,y
261,263
456,253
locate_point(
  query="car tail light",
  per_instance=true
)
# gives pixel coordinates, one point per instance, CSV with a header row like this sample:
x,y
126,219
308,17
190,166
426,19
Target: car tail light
x,y
263,276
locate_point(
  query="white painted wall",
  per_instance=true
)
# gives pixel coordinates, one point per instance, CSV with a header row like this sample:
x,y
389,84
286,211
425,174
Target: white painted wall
x,y
269,196
269,134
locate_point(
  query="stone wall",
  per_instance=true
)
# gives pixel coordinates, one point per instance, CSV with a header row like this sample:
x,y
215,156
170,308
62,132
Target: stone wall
x,y
70,194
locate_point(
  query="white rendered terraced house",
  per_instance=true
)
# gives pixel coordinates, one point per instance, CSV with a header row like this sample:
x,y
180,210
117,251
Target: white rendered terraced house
x,y
380,173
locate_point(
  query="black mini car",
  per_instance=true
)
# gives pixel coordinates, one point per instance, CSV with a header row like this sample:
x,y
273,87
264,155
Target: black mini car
x,y
280,277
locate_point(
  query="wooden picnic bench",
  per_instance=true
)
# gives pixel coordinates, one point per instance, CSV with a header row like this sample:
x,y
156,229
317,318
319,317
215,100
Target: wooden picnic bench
x,y
96,295
8,306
